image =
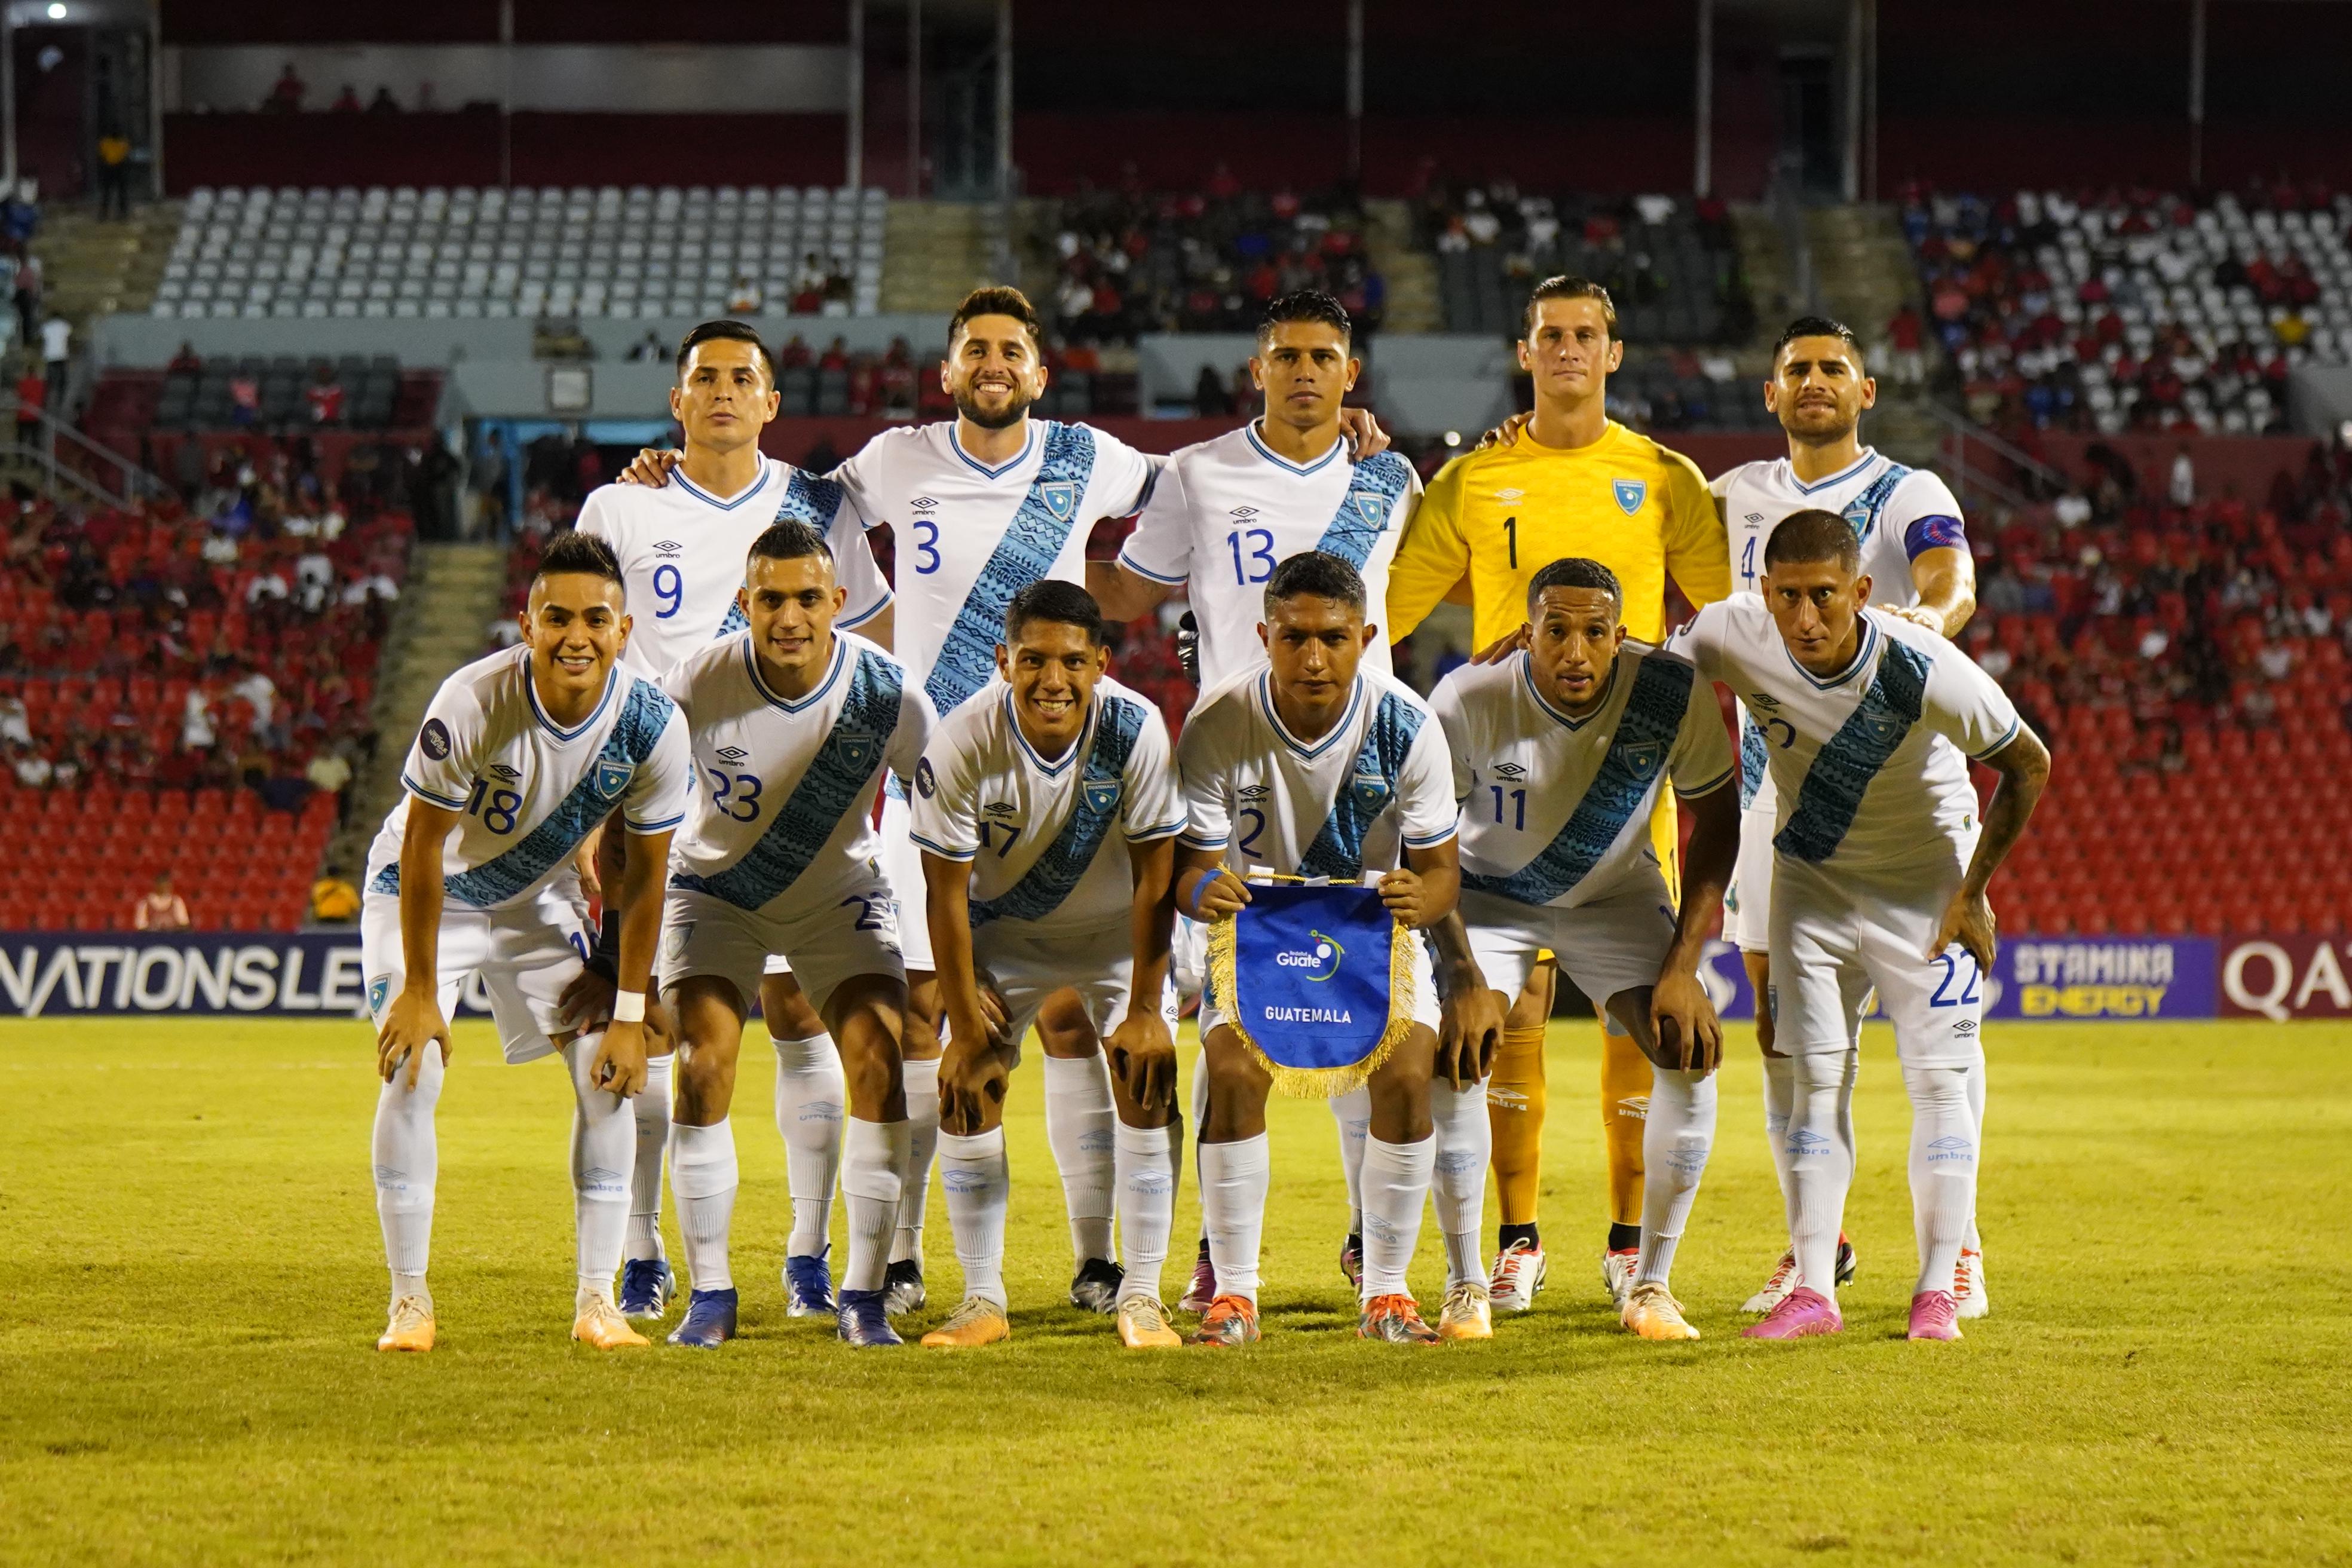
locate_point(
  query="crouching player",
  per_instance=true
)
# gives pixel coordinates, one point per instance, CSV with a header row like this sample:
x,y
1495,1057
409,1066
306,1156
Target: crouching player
x,y
1560,753
521,754
1047,809
1879,874
793,723
1312,766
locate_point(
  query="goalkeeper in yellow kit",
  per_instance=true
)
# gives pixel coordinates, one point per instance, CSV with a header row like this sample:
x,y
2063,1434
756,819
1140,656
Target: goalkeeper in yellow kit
x,y
1574,482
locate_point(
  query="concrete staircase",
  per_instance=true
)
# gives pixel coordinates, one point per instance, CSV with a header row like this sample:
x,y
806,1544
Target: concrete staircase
x,y
1410,271
1865,274
935,253
444,622
91,267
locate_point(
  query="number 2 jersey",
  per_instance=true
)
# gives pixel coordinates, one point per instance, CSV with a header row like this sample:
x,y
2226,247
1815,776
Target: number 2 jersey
x,y
785,800
1556,810
528,790
1048,840
682,553
1226,510
1871,765
1377,781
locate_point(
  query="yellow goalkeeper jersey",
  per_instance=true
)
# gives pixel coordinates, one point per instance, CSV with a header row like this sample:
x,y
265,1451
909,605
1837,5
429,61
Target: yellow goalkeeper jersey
x,y
1503,514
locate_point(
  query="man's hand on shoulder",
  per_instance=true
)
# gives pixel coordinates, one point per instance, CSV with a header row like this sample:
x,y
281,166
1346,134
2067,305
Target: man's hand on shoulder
x,y
1362,433
651,466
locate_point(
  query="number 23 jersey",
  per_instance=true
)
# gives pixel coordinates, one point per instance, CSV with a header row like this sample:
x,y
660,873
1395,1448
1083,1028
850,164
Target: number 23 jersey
x,y
784,805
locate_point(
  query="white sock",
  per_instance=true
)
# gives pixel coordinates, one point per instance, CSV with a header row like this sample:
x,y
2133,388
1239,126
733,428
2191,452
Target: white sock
x,y
1821,1165
651,1110
811,1093
873,1181
922,1083
702,1171
1780,1099
1148,1159
1943,1167
1457,1181
603,1151
1079,1122
1201,1115
1675,1144
977,1180
1233,1182
1353,1112
1976,1109
407,1163
1396,1186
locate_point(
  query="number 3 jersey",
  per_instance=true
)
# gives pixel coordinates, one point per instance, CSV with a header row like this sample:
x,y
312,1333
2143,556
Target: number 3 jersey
x,y
1556,810
782,809
528,790
1047,840
1348,802
1227,510
1870,765
682,553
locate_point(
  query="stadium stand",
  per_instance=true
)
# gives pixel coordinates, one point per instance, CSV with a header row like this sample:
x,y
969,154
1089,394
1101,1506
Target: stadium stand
x,y
2135,309
176,694
643,252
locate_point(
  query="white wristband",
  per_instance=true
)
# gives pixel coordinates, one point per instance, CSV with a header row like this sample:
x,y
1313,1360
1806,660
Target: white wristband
x,y
629,1007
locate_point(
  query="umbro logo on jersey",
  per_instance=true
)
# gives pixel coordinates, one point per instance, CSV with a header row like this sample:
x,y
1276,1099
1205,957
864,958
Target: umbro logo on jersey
x,y
1756,519
731,753
1509,495
1965,1027
1509,771
1252,791
1000,808
1243,511
923,503
668,547
1764,700
506,773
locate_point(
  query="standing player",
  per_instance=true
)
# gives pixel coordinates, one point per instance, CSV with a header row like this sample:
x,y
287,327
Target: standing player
x,y
792,726
1576,484
521,754
681,550
1224,511
1879,874
1313,766
1915,554
1560,753
1047,813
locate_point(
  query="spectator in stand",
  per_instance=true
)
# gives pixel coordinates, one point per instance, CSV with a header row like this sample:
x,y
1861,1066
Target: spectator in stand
x,y
329,771
31,397
244,400
346,102
28,298
333,900
114,174
1211,399
187,362
1906,334
489,482
2180,490
649,347
383,102
162,909
325,396
743,300
286,97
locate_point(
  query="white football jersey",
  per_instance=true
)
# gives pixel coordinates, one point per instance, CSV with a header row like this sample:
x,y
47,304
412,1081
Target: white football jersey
x,y
1868,766
1556,810
1226,510
784,802
1047,841
528,790
682,551
969,537
1335,807
1897,512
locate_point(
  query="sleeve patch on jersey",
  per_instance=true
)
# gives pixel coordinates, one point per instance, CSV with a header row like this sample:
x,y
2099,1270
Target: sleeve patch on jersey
x,y
926,782
1937,532
434,740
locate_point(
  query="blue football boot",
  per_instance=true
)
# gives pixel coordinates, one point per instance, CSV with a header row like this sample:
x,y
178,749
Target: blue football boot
x,y
647,1288
862,1323
709,1320
808,1287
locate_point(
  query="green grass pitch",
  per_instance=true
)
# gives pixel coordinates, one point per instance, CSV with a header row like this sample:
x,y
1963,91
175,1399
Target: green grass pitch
x,y
193,1284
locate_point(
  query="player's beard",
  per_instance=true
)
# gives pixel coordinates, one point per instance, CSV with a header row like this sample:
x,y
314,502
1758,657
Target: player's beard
x,y
1015,407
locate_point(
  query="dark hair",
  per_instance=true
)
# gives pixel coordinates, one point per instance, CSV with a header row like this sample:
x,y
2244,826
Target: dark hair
x,y
1305,305
573,551
997,299
1818,327
1051,599
725,331
1315,572
1567,286
1806,537
788,539
1575,572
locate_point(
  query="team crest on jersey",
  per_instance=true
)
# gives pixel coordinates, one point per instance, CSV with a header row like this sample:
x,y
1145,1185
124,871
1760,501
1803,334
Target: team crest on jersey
x,y
1644,756
379,987
1371,790
613,777
1885,728
1371,506
1061,498
857,747
1101,794
1857,517
1630,494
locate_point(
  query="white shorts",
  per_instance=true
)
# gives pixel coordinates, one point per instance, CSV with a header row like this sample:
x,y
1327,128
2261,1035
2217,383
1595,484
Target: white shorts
x,y
1425,1003
902,862
705,935
1747,902
1833,940
1611,945
1188,957
1026,965
526,954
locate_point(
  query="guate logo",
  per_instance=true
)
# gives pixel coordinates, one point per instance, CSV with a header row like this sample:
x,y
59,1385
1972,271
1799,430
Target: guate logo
x,y
1326,957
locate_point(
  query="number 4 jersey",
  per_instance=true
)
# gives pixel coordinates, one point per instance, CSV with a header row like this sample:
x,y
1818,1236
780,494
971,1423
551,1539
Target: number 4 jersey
x,y
528,789
785,802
